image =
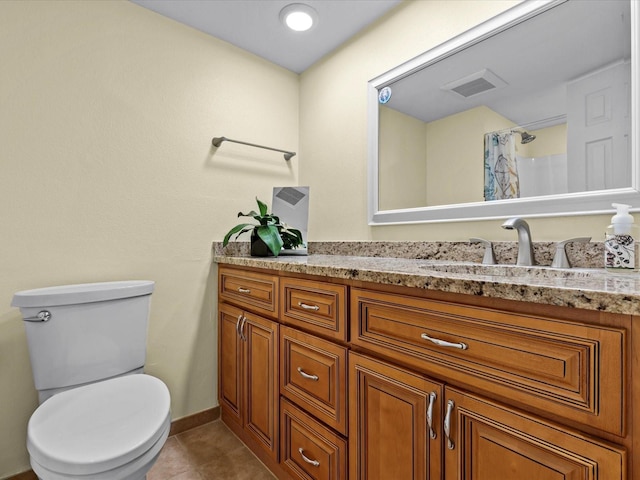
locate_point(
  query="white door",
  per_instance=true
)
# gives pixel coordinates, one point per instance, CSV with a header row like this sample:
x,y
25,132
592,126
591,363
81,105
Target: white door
x,y
599,122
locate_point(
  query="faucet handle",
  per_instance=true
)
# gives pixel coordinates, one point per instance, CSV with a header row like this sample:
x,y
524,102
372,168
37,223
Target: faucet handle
x,y
489,258
560,259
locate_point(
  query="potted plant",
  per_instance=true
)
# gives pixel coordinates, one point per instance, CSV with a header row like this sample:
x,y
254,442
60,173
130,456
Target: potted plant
x,y
269,237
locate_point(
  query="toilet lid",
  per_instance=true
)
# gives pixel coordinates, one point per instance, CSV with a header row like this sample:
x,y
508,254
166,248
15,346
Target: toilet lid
x,y
100,426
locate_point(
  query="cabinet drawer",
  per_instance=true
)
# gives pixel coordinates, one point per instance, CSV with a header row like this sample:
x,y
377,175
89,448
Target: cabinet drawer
x,y
552,365
313,374
251,290
315,306
310,450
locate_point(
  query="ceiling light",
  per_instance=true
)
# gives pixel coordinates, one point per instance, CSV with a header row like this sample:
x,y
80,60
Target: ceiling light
x,y
298,17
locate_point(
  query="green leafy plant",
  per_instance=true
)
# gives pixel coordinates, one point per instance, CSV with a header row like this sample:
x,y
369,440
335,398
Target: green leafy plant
x,y
274,234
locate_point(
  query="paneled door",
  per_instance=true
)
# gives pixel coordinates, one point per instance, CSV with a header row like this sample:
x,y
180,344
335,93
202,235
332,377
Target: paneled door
x,y
394,420
487,441
598,132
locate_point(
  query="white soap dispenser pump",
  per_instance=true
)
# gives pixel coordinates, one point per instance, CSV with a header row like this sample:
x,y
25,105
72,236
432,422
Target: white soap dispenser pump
x,y
621,242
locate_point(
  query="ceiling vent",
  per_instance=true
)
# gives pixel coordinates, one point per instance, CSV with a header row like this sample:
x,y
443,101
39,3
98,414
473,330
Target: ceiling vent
x,y
475,84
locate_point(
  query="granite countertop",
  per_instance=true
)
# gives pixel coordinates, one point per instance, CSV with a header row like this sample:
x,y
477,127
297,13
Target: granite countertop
x,y
587,288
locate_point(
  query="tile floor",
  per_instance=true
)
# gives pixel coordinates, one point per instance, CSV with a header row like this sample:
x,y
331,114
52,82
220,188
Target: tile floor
x,y
208,452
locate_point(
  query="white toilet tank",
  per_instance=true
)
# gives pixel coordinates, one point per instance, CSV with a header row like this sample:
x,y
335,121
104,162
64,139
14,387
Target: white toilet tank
x,y
79,334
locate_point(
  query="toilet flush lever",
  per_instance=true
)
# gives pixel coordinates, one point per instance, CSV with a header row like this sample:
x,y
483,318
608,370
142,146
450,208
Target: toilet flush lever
x,y
42,316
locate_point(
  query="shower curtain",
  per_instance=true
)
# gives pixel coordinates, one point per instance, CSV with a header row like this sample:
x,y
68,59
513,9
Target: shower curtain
x,y
500,169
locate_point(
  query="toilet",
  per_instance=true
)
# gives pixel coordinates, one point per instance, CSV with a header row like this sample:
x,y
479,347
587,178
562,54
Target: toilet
x,y
100,417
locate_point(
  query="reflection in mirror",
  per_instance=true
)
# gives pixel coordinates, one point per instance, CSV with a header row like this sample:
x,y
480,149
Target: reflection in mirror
x,y
529,113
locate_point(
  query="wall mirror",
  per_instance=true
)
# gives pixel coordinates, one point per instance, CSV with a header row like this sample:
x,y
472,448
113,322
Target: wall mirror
x,y
532,113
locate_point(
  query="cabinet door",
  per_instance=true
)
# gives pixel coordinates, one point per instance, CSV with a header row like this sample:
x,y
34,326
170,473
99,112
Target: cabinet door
x,y
261,381
230,363
489,441
389,436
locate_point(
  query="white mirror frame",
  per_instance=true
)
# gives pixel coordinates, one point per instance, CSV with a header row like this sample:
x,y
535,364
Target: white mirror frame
x,y
582,203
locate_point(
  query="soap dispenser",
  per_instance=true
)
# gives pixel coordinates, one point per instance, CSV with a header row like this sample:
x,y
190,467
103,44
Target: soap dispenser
x,y
621,242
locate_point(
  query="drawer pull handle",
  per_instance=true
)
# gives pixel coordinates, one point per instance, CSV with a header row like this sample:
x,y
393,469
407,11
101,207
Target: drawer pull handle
x,y
307,376
442,343
432,401
308,307
244,290
315,463
447,425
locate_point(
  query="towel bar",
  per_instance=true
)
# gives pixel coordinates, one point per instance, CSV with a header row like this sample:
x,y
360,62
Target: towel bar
x,y
217,141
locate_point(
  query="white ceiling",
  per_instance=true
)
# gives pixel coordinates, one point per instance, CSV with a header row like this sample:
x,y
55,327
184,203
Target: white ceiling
x,y
536,59
254,25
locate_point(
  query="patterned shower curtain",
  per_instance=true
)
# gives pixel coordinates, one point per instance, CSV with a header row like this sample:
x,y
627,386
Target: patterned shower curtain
x,y
500,169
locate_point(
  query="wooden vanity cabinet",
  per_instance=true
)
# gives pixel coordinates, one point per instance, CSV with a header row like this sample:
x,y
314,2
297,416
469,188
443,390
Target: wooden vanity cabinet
x,y
567,370
248,365
572,369
283,370
406,384
313,379
407,427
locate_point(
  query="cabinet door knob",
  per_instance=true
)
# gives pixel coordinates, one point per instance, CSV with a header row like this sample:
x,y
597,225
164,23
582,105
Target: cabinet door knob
x,y
244,290
308,307
432,401
315,463
443,343
307,376
447,425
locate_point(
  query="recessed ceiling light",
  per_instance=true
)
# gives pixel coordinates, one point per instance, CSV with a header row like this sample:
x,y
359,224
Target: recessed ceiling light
x,y
298,17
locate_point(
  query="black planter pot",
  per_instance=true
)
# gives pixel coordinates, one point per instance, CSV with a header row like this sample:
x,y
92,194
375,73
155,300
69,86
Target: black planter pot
x,y
258,247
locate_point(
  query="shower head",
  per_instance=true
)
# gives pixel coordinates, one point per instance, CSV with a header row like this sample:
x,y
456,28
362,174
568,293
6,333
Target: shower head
x,y
526,138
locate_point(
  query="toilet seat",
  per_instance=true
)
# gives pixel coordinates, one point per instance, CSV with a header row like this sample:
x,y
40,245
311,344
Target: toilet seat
x,y
101,427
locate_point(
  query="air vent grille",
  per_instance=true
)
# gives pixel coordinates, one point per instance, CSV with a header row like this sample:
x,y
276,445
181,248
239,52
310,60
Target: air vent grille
x,y
474,87
475,84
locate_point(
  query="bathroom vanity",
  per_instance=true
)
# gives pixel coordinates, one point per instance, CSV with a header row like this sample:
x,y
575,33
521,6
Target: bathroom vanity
x,y
336,367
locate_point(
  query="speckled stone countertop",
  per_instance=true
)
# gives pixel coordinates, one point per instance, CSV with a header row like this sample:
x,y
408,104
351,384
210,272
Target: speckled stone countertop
x,y
587,288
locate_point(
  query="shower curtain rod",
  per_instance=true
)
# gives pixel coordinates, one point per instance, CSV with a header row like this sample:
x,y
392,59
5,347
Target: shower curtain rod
x,y
218,140
551,121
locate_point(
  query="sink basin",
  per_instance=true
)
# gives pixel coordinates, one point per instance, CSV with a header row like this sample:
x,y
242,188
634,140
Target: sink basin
x,y
463,268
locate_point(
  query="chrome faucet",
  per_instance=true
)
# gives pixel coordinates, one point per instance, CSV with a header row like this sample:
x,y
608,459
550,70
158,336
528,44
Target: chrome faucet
x,y
525,246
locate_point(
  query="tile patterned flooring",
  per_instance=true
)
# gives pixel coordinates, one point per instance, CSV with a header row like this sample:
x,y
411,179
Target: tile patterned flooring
x,y
210,451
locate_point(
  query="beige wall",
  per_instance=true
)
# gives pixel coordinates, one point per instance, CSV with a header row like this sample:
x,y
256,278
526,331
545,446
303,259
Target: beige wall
x,y
554,141
434,163
402,160
333,127
107,111
455,149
